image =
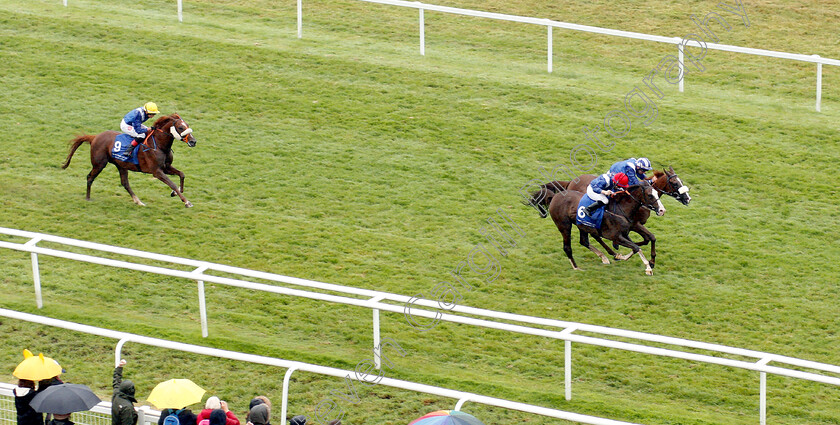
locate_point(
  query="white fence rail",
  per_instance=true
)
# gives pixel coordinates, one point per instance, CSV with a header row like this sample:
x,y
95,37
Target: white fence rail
x,y
292,366
378,301
549,24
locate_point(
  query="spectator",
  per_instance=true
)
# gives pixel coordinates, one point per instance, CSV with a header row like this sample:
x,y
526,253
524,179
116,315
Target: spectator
x,y
185,416
213,403
260,399
60,419
24,393
218,417
259,414
122,403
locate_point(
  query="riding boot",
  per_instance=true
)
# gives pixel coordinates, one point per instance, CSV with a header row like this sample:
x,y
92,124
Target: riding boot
x,y
591,208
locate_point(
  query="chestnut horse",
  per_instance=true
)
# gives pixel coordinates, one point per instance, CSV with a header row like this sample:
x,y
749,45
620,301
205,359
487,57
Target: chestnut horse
x,y
666,182
154,155
615,225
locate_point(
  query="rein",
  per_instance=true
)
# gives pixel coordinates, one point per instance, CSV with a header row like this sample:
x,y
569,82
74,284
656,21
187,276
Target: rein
x,y
638,202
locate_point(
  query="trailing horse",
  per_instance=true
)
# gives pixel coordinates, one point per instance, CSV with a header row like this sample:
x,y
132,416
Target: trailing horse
x,y
154,156
615,225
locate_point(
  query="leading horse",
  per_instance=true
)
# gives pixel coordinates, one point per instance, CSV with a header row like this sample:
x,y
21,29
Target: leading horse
x,y
154,155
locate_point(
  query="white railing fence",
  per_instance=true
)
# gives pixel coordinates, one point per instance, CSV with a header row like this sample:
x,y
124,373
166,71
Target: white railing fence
x,y
293,366
549,24
378,301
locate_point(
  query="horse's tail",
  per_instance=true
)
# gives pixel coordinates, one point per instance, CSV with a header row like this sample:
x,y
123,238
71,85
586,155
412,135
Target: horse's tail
x,y
541,199
74,144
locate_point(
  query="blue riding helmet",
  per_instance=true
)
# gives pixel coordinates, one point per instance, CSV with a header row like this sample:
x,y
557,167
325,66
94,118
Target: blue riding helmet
x,y
643,164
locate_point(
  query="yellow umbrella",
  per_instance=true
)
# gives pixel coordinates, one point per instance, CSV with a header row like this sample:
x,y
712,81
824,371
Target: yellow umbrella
x,y
36,368
175,394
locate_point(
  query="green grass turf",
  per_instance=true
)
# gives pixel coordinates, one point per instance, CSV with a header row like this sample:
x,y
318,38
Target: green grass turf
x,y
346,157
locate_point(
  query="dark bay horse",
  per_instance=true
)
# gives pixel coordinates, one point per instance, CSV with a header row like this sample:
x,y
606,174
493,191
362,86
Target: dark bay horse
x,y
154,156
666,182
615,225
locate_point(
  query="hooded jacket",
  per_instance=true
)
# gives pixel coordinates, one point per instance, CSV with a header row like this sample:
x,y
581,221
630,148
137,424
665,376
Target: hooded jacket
x,y
259,415
122,403
26,415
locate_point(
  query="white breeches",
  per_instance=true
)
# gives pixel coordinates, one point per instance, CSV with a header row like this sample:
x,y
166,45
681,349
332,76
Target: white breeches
x,y
596,196
129,130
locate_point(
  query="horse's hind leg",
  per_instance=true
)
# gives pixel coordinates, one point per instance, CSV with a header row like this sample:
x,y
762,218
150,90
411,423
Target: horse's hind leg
x,y
162,177
124,181
172,171
584,240
566,230
97,168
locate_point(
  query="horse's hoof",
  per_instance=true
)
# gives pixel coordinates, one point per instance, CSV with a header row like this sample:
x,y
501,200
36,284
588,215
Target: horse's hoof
x,y
172,193
649,272
605,261
578,268
188,204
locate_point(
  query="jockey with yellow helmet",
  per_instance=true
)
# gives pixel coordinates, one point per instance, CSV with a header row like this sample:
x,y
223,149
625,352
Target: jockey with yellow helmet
x,y
132,122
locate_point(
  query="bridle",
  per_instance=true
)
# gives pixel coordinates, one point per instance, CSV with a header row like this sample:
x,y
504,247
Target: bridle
x,y
673,193
638,201
182,136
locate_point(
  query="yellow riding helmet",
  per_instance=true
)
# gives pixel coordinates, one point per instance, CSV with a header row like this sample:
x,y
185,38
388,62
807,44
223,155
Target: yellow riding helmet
x,y
151,108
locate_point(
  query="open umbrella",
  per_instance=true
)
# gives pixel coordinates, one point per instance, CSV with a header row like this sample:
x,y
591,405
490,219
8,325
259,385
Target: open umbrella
x,y
36,368
175,394
447,417
64,398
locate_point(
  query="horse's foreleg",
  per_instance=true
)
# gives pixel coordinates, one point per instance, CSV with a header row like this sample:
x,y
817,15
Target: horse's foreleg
x,y
584,240
124,181
162,177
172,171
603,244
648,237
625,241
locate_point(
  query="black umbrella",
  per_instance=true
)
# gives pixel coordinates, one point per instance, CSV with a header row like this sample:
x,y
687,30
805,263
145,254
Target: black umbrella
x,y
64,398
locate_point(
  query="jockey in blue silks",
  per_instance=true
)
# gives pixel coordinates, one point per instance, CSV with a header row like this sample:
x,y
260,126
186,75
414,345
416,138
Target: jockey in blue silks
x,y
600,189
132,122
633,168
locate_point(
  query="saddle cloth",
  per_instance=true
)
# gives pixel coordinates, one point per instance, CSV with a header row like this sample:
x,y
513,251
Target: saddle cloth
x,y
122,149
597,216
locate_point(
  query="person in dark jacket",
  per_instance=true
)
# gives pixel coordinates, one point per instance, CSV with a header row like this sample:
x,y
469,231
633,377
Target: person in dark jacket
x,y
60,420
122,403
24,393
185,416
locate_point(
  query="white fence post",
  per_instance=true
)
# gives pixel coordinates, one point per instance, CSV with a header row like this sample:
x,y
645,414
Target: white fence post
x,y
36,273
285,403
118,351
377,348
550,49
681,61
819,82
65,3
568,369
180,11
461,403
422,33
762,393
202,303
300,20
